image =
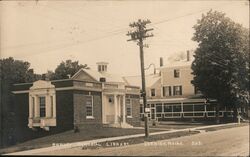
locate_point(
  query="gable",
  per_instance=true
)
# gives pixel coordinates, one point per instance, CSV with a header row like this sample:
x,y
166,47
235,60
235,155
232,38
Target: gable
x,y
41,84
82,75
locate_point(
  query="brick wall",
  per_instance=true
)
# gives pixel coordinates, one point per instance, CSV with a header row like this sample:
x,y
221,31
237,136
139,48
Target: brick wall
x,y
80,119
64,117
135,120
64,109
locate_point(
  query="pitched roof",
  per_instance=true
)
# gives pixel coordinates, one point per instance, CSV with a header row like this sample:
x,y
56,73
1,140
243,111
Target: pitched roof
x,y
97,75
180,63
136,80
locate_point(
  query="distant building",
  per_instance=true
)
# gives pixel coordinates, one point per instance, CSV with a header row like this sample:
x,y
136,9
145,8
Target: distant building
x,y
172,96
89,98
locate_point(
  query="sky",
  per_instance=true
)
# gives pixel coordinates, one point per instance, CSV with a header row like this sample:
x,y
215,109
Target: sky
x,y
46,33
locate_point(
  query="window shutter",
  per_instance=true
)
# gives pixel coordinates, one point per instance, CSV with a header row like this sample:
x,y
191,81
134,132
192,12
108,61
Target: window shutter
x,y
169,90
163,91
180,90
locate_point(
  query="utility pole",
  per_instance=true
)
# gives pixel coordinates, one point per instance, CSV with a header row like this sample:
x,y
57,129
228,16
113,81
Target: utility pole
x,y
139,34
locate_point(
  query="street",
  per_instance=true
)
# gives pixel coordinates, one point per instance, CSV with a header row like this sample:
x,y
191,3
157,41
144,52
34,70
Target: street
x,y
226,142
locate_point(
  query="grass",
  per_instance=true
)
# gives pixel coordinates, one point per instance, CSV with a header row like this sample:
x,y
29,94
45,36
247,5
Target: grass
x,y
137,140
97,133
225,127
69,136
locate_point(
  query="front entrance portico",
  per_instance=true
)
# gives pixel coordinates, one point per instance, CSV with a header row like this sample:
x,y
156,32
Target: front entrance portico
x,y
114,110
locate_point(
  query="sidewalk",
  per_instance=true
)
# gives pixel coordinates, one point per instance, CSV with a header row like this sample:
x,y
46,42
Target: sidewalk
x,y
84,143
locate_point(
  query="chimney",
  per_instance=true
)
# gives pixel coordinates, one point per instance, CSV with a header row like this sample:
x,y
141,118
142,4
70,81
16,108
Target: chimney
x,y
188,55
102,66
161,61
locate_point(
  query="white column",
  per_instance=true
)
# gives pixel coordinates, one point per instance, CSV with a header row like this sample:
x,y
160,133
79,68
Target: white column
x,y
47,106
118,105
115,107
54,106
30,107
123,110
36,106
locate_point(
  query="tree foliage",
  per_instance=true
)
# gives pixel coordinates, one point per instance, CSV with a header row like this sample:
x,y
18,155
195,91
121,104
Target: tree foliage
x,y
11,71
65,69
16,71
221,65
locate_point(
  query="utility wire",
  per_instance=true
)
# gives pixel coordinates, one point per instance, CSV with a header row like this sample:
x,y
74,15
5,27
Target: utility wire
x,y
119,31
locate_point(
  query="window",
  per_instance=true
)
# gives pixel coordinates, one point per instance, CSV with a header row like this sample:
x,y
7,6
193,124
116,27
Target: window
x,y
42,106
128,108
176,73
167,91
99,68
188,108
152,92
141,108
89,106
200,107
176,108
167,108
158,107
177,90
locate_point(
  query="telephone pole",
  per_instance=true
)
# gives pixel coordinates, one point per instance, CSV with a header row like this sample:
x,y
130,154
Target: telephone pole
x,y
139,34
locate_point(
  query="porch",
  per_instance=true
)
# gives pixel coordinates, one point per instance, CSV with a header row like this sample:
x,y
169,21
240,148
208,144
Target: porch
x,y
114,110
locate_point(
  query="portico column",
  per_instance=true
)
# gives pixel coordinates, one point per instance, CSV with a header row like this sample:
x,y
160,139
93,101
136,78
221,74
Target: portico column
x,y
47,106
115,105
37,109
30,107
54,106
123,109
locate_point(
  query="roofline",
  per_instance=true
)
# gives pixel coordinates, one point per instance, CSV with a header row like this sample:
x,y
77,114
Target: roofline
x,y
16,84
82,69
163,67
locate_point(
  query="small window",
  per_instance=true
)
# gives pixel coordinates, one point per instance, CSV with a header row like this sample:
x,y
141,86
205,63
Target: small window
x,y
167,91
152,92
177,90
128,108
99,68
176,73
42,106
89,106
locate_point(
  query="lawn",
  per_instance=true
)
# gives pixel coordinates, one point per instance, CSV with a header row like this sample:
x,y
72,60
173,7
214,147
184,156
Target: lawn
x,y
69,136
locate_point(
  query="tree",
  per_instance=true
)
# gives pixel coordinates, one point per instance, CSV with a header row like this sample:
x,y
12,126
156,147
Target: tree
x,y
11,71
221,65
65,69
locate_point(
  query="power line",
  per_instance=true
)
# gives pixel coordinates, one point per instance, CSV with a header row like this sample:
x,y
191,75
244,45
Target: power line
x,y
119,31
